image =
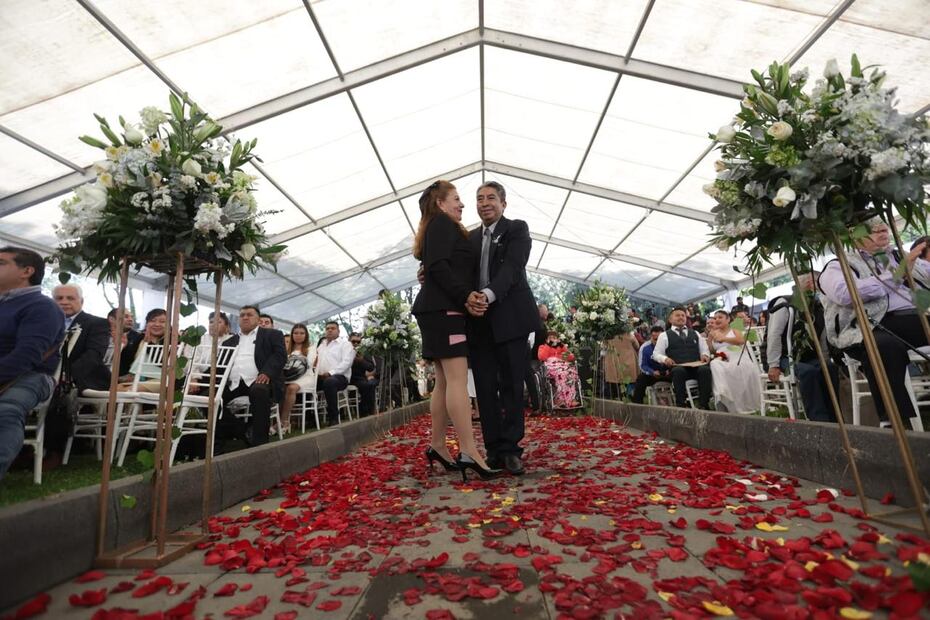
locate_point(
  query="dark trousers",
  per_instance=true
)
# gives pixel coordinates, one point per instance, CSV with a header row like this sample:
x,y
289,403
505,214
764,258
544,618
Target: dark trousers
x,y
499,369
259,404
894,354
330,386
680,374
644,381
366,394
813,388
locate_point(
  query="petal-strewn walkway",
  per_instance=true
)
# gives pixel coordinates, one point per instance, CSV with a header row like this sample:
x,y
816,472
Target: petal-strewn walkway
x,y
607,522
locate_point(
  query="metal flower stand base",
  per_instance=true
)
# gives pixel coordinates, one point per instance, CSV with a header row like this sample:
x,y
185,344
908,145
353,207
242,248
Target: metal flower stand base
x,y
917,490
160,547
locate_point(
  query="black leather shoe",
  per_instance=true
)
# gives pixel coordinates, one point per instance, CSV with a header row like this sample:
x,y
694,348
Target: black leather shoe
x,y
495,462
513,465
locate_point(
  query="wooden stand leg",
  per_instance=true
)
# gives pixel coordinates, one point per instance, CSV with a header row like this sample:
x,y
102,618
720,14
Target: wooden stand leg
x,y
103,505
884,386
211,412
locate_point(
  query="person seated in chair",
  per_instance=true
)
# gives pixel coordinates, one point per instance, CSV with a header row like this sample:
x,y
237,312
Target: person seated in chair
x,y
889,306
649,371
680,345
31,331
255,372
560,370
333,368
363,377
298,376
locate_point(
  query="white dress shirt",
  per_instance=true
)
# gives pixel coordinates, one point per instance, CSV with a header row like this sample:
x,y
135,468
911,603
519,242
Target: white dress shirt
x,y
662,343
335,357
244,368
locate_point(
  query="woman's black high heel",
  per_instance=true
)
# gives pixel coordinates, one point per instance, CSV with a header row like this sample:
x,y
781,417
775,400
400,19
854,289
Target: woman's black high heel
x,y
465,465
432,455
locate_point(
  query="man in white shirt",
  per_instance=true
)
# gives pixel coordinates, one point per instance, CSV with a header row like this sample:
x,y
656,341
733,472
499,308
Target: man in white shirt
x,y
256,373
334,357
680,345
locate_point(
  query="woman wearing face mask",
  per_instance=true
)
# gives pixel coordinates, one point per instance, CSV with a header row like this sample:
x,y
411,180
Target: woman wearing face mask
x,y
560,370
449,264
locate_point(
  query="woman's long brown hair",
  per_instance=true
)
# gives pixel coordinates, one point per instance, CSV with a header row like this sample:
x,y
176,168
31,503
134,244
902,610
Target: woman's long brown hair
x,y
305,346
429,208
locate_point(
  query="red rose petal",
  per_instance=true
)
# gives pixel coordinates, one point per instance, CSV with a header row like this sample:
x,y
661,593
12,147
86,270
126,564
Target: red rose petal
x,y
33,607
91,575
329,605
88,598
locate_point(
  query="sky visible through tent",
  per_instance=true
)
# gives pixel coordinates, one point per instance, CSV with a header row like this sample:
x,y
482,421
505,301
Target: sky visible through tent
x,y
595,119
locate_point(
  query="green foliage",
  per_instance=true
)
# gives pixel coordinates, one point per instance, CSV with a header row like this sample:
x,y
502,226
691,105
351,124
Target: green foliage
x,y
127,501
800,168
145,458
920,576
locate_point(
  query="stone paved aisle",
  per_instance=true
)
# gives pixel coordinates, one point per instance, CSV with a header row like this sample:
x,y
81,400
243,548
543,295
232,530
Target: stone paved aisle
x,y
608,522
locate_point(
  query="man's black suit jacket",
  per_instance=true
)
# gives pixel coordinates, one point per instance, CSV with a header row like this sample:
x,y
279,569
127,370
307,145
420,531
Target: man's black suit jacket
x,y
270,356
86,357
513,313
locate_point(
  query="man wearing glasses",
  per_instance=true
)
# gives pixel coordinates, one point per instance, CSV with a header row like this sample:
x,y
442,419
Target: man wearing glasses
x,y
363,377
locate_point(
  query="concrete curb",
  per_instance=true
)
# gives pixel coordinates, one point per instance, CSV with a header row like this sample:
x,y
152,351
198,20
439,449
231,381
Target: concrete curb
x,y
810,450
50,540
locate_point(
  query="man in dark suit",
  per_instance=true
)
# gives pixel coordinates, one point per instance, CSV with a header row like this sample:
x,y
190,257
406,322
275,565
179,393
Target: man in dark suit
x,y
535,341
256,373
86,340
497,341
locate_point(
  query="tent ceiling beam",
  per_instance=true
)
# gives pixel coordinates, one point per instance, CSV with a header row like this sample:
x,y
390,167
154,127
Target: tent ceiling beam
x,y
577,280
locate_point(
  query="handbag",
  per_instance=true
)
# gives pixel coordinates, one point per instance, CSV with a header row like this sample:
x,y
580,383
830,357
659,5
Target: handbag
x,y
295,367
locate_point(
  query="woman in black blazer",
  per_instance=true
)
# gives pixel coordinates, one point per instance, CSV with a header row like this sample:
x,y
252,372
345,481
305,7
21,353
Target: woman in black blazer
x,y
449,265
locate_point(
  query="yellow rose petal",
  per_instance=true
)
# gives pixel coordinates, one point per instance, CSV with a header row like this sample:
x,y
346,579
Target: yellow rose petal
x,y
883,540
467,490
584,517
636,544
717,608
655,497
811,565
854,614
665,595
765,526
923,558
849,563
780,541
246,508
473,525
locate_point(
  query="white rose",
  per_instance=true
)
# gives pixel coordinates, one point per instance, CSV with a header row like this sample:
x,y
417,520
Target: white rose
x,y
191,167
784,196
247,251
831,69
134,136
93,196
780,130
725,134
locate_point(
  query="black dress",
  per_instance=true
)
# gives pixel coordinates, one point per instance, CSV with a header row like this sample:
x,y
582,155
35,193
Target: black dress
x,y
449,274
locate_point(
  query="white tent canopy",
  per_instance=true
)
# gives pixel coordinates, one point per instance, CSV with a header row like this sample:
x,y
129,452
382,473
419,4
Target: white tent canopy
x,y
593,115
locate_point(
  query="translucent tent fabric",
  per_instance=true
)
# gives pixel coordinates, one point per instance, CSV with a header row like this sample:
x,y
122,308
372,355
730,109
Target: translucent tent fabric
x,y
595,119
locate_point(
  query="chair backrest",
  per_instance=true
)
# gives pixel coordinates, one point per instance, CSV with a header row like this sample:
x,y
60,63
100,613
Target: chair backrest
x,y
149,365
755,349
199,365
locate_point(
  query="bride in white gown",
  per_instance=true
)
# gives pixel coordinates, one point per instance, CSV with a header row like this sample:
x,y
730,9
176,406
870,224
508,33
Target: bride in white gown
x,y
736,380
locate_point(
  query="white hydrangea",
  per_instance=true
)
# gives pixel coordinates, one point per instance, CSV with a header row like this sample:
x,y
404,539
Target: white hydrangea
x,y
152,117
187,181
82,213
209,219
886,162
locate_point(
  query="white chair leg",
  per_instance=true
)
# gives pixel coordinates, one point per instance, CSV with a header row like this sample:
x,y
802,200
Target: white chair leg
x,y
67,455
916,423
128,436
38,453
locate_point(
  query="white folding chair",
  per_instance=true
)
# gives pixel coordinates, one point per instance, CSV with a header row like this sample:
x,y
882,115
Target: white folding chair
x,y
347,399
781,393
859,386
94,425
195,398
37,439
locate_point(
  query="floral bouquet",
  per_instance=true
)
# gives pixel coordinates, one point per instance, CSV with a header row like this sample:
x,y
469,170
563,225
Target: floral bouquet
x,y
390,328
799,167
603,312
167,186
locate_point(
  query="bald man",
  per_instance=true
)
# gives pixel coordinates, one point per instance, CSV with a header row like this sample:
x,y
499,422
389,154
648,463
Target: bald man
x,y
86,340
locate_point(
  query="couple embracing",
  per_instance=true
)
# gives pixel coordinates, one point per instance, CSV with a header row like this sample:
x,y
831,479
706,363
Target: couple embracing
x,y
475,304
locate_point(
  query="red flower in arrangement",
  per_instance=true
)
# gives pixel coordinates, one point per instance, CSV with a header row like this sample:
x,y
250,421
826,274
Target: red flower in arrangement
x,y
721,355
602,509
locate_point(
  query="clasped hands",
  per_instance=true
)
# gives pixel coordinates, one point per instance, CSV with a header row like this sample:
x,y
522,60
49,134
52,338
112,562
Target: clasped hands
x,y
477,303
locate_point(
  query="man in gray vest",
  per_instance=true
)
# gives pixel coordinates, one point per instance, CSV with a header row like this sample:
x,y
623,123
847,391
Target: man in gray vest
x,y
889,306
679,345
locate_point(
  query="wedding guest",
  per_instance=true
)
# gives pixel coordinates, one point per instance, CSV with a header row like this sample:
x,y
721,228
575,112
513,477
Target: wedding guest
x,y
265,320
298,375
650,371
740,306
31,330
680,345
255,372
889,306
786,331
560,370
535,340
735,376
363,377
449,261
87,338
333,368
130,364
129,334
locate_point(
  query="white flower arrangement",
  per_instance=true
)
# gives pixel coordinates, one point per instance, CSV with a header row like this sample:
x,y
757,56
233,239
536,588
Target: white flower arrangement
x,y
603,312
391,328
166,186
800,167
